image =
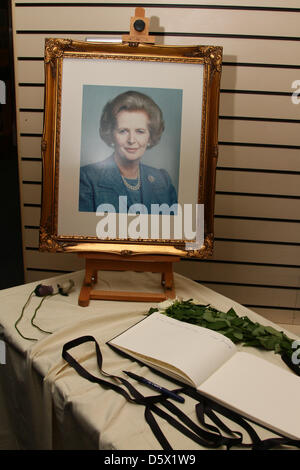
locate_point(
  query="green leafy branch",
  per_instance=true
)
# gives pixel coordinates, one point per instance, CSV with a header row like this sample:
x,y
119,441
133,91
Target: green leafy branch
x,y
238,329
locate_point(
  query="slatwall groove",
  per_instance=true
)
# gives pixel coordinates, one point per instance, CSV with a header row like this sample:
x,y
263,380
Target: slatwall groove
x,y
164,34
260,145
229,91
265,242
31,182
229,64
242,3
28,159
252,170
254,306
259,119
160,5
30,134
251,92
261,65
257,210
36,59
32,84
269,219
62,271
261,195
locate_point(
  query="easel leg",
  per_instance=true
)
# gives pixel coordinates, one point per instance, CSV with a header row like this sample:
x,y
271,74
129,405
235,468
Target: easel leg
x,y
168,281
95,276
89,280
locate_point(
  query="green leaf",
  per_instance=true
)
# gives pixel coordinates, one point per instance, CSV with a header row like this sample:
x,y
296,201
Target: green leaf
x,y
152,310
218,324
231,313
259,330
238,335
272,331
269,342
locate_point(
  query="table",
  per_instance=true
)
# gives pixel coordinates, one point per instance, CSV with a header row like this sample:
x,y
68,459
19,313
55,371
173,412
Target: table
x,y
46,405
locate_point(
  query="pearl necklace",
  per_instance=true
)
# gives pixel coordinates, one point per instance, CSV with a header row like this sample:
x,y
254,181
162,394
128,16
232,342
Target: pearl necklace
x,y
130,186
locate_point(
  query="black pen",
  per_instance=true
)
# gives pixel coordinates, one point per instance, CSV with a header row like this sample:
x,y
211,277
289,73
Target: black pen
x,y
156,387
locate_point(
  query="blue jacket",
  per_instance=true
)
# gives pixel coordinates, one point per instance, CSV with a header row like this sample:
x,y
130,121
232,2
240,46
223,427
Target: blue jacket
x,y
101,183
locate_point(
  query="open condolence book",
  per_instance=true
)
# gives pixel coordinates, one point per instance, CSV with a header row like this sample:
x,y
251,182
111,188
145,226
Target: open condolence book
x,y
210,362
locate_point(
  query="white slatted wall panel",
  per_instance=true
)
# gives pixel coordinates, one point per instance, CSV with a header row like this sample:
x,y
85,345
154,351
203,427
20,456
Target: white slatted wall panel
x,y
257,213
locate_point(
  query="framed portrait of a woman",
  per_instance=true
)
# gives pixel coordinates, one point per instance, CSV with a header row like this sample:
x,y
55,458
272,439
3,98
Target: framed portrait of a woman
x,y
130,146
120,155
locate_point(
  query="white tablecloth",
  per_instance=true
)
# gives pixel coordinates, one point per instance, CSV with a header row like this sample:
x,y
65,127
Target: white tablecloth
x,y
45,404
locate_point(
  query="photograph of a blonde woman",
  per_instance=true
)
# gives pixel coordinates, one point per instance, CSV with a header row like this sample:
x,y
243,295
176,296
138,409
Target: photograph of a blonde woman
x,y
135,150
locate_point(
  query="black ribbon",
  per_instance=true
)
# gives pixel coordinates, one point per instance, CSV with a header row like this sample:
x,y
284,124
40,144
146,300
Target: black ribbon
x,y
209,436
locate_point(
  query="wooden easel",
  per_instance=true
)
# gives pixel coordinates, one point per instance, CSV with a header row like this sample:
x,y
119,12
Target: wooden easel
x,y
95,262
112,261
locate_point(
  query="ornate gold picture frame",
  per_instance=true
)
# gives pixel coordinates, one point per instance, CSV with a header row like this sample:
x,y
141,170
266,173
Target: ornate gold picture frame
x,y
174,155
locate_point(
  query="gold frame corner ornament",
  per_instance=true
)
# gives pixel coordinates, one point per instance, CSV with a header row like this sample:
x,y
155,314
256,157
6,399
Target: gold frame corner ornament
x,y
55,48
49,242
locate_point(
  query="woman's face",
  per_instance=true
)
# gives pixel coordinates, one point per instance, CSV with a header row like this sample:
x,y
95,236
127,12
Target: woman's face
x,y
131,134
